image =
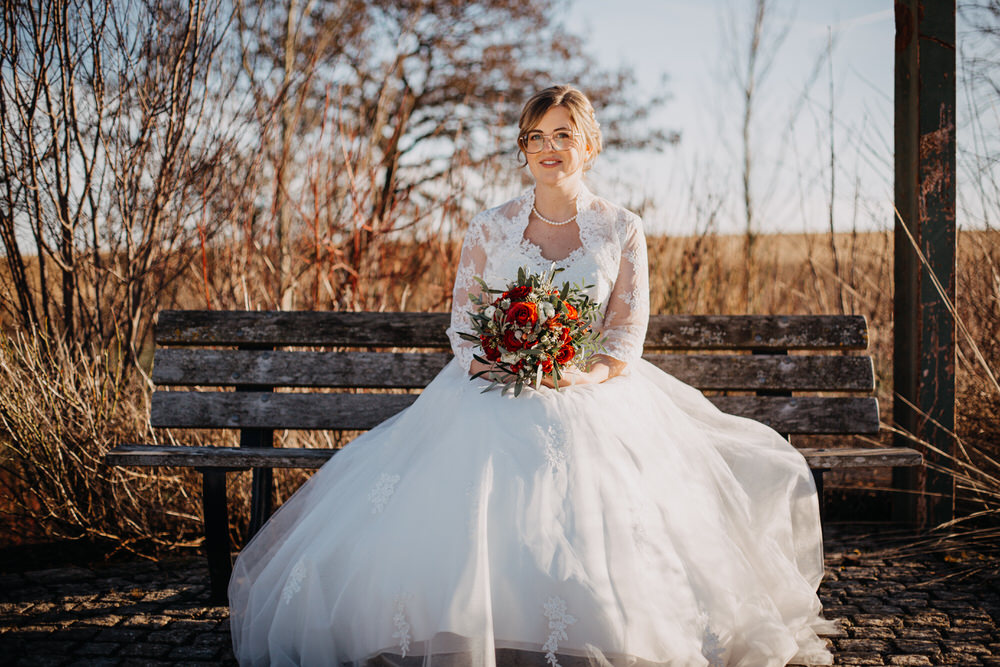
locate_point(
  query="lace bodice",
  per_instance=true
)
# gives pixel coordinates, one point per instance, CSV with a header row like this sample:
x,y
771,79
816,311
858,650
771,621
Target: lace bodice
x,y
611,258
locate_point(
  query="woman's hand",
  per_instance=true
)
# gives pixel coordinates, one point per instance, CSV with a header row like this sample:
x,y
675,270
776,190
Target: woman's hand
x,y
601,369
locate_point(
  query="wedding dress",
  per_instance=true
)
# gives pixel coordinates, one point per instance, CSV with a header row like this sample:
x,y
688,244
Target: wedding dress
x,y
628,522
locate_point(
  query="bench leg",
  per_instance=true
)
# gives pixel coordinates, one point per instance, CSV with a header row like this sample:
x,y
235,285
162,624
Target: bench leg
x,y
261,500
818,478
220,564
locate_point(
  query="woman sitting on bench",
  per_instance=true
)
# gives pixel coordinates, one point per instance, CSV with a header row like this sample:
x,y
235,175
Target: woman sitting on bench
x,y
623,519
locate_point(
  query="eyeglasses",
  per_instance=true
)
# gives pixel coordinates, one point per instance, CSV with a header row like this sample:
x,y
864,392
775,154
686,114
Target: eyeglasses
x,y
560,140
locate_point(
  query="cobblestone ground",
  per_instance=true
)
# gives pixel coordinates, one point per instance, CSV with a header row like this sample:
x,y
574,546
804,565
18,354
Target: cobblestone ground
x,y
895,611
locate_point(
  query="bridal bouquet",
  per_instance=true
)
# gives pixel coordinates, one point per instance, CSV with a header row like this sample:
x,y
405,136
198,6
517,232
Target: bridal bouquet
x,y
532,329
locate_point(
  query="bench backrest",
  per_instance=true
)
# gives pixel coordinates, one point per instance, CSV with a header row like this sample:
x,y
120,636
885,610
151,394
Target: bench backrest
x,y
769,368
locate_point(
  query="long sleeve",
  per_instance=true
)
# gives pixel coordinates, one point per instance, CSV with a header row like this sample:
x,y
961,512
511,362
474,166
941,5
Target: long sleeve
x,y
627,313
470,265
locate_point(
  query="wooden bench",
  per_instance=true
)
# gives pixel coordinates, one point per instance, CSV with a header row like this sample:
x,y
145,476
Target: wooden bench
x,y
799,374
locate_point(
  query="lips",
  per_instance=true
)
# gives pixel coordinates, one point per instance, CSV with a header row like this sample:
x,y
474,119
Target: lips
x,y
550,163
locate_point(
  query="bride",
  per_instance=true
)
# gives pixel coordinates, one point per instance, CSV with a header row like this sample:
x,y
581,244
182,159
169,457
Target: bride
x,y
622,520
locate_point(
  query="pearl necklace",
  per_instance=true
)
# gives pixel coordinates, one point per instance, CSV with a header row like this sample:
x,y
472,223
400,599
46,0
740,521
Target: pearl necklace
x,y
553,222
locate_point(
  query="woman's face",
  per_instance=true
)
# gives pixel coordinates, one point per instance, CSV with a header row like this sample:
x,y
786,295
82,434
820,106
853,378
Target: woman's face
x,y
552,167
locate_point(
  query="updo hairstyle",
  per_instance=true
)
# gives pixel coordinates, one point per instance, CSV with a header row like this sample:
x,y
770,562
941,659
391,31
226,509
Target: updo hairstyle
x,y
581,113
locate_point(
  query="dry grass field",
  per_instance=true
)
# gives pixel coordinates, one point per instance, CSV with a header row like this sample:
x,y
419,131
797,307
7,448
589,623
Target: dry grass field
x,y
61,410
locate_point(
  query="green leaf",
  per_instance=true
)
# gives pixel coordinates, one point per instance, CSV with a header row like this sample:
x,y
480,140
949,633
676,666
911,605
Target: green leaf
x,y
466,336
518,386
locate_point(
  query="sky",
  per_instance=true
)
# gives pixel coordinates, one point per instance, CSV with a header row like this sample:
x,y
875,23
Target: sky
x,y
697,186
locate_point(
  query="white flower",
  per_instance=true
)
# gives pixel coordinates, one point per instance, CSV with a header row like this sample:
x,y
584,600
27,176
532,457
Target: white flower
x,y
490,310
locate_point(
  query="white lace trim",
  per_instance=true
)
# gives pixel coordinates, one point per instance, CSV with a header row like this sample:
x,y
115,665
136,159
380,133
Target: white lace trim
x,y
294,582
556,442
633,298
711,644
382,491
712,649
555,610
402,626
633,257
640,536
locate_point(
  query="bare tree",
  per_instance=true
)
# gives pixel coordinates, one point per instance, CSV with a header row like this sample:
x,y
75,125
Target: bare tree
x,y
417,93
108,145
752,57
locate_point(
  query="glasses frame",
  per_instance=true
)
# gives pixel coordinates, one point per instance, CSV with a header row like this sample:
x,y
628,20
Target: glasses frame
x,y
547,139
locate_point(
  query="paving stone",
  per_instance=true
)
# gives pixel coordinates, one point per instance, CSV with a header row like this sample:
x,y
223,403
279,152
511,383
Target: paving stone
x,y
149,621
920,646
121,635
170,636
147,650
879,620
94,662
864,645
97,648
859,659
39,660
909,660
193,652
966,647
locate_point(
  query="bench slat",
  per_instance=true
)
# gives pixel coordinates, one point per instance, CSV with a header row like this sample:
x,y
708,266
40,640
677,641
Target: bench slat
x,y
862,457
806,414
247,457
725,332
255,409
194,367
251,409
306,328
719,372
347,329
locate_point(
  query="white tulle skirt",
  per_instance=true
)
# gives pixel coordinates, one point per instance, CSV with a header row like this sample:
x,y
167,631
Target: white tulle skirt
x,y
628,522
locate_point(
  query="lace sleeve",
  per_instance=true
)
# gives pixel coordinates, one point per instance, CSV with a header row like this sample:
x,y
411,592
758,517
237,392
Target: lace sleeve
x,y
627,314
470,265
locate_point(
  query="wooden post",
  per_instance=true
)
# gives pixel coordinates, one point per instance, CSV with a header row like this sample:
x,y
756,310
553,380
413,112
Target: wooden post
x,y
924,330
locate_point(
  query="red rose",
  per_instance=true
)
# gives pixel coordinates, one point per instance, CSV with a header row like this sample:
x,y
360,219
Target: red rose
x,y
523,313
565,355
512,343
491,351
565,336
517,367
571,312
547,365
553,323
518,293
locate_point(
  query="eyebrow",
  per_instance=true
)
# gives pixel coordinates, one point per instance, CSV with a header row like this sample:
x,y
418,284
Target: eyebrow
x,y
555,130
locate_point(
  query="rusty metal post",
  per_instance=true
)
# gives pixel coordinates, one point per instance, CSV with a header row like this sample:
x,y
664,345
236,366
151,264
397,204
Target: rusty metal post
x,y
924,331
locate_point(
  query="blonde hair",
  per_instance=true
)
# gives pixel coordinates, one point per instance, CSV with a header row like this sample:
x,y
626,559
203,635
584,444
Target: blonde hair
x,y
581,114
